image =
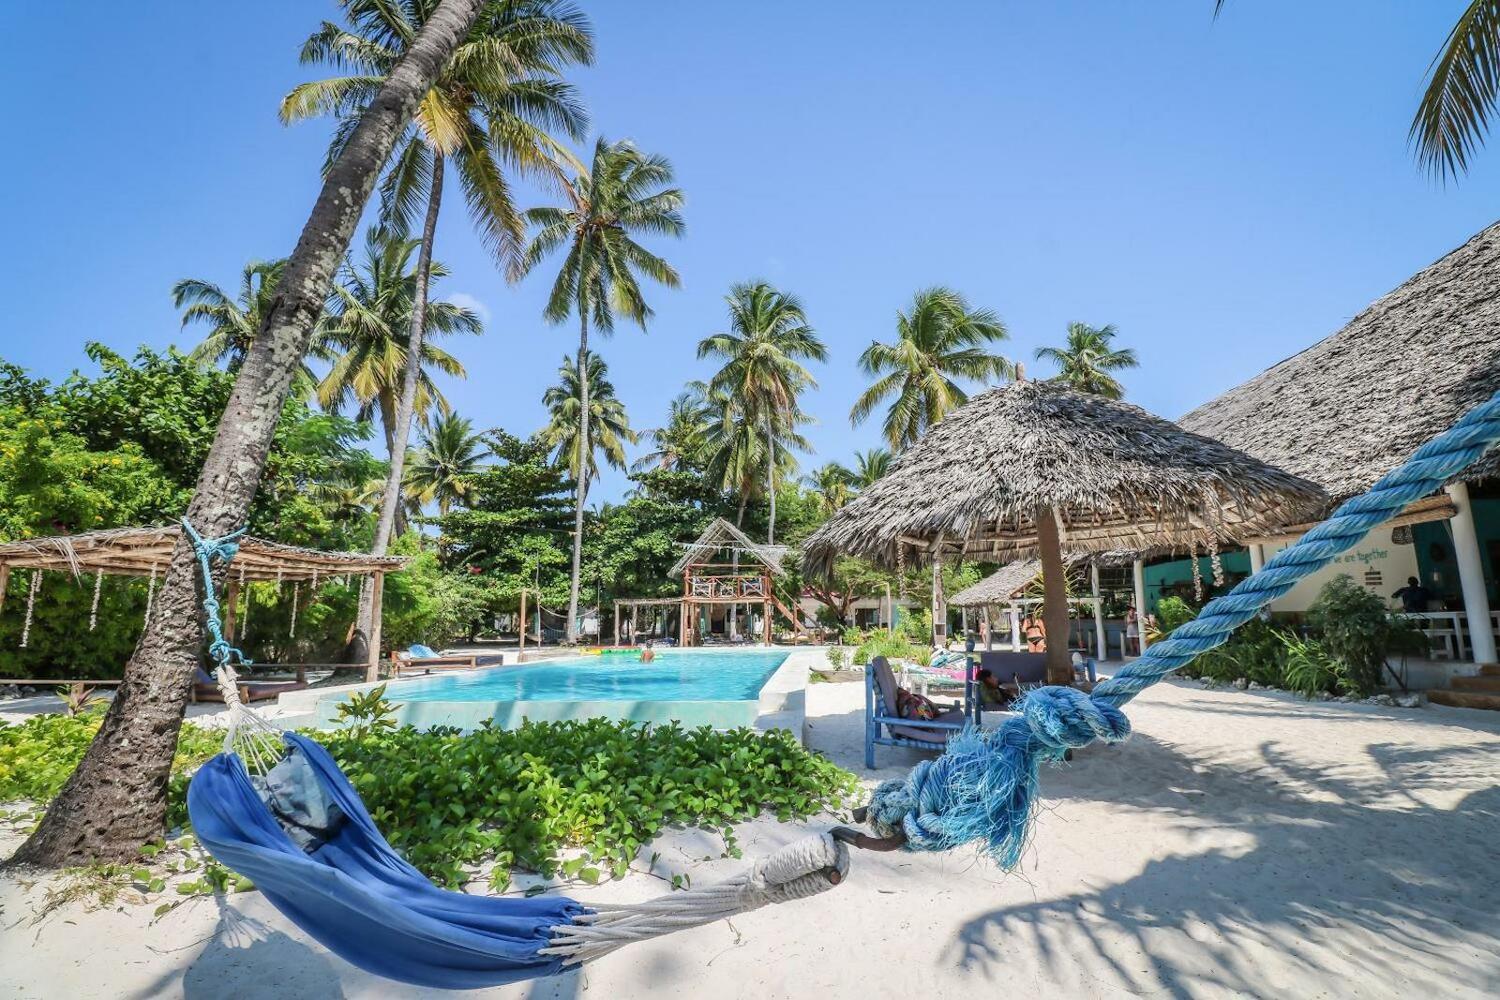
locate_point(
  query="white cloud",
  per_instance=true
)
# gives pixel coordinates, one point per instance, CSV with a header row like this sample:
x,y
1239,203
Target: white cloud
x,y
466,301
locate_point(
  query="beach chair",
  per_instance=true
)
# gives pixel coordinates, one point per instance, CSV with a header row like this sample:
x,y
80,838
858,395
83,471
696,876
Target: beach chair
x,y
1017,672
421,660
885,727
205,688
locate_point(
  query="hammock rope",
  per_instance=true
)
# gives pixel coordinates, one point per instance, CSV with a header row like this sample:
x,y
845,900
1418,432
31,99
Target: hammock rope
x,y
983,789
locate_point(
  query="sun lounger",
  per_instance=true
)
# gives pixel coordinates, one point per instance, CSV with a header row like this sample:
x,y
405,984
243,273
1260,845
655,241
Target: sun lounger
x,y
885,727
205,688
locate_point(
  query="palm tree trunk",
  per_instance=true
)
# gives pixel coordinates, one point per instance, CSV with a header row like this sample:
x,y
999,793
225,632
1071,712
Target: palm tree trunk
x,y
1054,597
771,479
581,489
399,430
116,799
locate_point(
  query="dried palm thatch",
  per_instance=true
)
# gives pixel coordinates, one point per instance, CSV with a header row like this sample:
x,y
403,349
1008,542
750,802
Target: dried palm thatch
x,y
139,551
1000,586
1117,477
1355,405
721,536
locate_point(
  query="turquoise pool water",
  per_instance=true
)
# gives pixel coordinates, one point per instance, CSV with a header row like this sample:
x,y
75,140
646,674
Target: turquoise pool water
x,y
688,675
695,687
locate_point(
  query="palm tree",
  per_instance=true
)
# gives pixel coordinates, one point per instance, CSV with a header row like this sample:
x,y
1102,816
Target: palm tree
x,y
451,453
939,341
364,333
492,105
116,799
870,466
233,322
768,339
682,440
1088,359
622,194
609,425
1453,117
833,485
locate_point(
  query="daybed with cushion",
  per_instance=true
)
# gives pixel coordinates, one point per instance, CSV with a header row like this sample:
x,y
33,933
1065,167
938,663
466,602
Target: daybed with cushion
x,y
205,688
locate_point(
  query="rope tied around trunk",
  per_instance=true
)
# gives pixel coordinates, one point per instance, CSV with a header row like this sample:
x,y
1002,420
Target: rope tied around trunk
x,y
983,788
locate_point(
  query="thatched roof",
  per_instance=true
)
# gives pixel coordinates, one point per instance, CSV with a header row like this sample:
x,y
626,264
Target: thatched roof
x,y
1355,405
1119,478
137,551
720,536
1000,586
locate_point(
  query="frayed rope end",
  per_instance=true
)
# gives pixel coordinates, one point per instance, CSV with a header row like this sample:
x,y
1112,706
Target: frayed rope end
x,y
983,788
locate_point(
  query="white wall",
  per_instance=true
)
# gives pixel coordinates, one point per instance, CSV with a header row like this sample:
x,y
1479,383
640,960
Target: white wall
x,y
1376,563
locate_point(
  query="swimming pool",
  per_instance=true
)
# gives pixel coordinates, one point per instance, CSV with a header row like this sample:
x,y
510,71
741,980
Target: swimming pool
x,y
721,688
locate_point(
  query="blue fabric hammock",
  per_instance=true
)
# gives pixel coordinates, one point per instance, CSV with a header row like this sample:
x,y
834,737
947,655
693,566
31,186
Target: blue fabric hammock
x,y
342,883
362,900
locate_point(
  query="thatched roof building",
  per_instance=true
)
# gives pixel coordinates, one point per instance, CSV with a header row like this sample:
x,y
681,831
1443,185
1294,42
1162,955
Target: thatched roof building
x,y
1118,477
1355,405
1000,586
139,551
721,536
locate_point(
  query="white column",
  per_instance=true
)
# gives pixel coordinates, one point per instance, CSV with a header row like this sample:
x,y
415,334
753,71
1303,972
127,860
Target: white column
x,y
1103,653
1471,575
1140,601
1257,556
1015,629
939,606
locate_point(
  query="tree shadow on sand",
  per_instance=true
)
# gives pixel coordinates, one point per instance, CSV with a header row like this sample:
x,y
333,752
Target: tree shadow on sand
x,y
1421,909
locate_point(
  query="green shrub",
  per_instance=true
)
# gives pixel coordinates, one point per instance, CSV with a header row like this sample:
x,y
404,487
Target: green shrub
x,y
837,656
917,627
892,647
1254,652
452,802
1354,628
852,636
1310,668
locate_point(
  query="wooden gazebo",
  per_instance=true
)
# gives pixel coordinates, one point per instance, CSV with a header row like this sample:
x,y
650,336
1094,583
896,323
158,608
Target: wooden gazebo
x,y
146,552
721,568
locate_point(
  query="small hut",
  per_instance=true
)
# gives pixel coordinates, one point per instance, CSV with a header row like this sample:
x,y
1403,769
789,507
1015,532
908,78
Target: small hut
x,y
146,552
723,572
1034,469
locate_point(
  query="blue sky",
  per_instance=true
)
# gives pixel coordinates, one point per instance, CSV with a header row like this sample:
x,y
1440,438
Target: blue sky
x,y
1226,192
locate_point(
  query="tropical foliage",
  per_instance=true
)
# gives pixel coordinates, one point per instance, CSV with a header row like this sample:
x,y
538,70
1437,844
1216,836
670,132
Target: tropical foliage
x,y
941,342
1088,361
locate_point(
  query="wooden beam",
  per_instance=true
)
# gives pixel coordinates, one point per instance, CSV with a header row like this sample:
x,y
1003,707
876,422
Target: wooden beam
x,y
231,605
377,596
4,582
522,648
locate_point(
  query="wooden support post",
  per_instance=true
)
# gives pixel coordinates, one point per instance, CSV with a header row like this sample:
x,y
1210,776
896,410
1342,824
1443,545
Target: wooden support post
x,y
1138,576
231,604
4,581
1099,637
377,596
765,613
617,623
521,648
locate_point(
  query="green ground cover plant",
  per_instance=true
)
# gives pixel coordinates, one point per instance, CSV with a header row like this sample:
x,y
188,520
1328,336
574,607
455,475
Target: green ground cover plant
x,y
575,800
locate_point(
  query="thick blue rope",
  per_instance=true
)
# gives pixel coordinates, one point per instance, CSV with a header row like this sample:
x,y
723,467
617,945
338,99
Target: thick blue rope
x,y
207,550
983,789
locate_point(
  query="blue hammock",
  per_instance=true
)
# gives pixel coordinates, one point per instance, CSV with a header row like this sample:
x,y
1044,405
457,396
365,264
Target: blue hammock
x,y
358,898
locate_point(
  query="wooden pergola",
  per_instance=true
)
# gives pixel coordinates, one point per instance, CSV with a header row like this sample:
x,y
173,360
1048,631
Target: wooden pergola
x,y
723,568
146,552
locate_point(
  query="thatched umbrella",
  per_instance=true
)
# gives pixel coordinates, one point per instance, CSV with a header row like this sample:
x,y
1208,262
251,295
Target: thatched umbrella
x,y
1033,469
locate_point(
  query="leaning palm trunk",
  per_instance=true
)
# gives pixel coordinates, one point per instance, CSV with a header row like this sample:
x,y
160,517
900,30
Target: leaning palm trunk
x,y
400,428
1054,597
581,472
116,799
771,479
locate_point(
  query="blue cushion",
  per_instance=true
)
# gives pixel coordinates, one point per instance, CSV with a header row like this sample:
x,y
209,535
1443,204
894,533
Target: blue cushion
x,y
422,652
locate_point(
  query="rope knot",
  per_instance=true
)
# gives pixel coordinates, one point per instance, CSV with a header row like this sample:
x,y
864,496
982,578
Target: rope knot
x,y
1063,718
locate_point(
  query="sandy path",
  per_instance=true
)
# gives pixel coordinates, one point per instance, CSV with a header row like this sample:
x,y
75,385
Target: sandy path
x,y
1241,843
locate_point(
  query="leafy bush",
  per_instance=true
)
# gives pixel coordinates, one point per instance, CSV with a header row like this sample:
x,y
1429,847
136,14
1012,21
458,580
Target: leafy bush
x,y
1354,628
892,647
1255,652
1310,669
1170,613
852,636
518,798
837,656
917,627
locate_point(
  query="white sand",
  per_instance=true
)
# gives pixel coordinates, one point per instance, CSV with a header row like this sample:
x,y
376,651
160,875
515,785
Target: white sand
x,y
1239,844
